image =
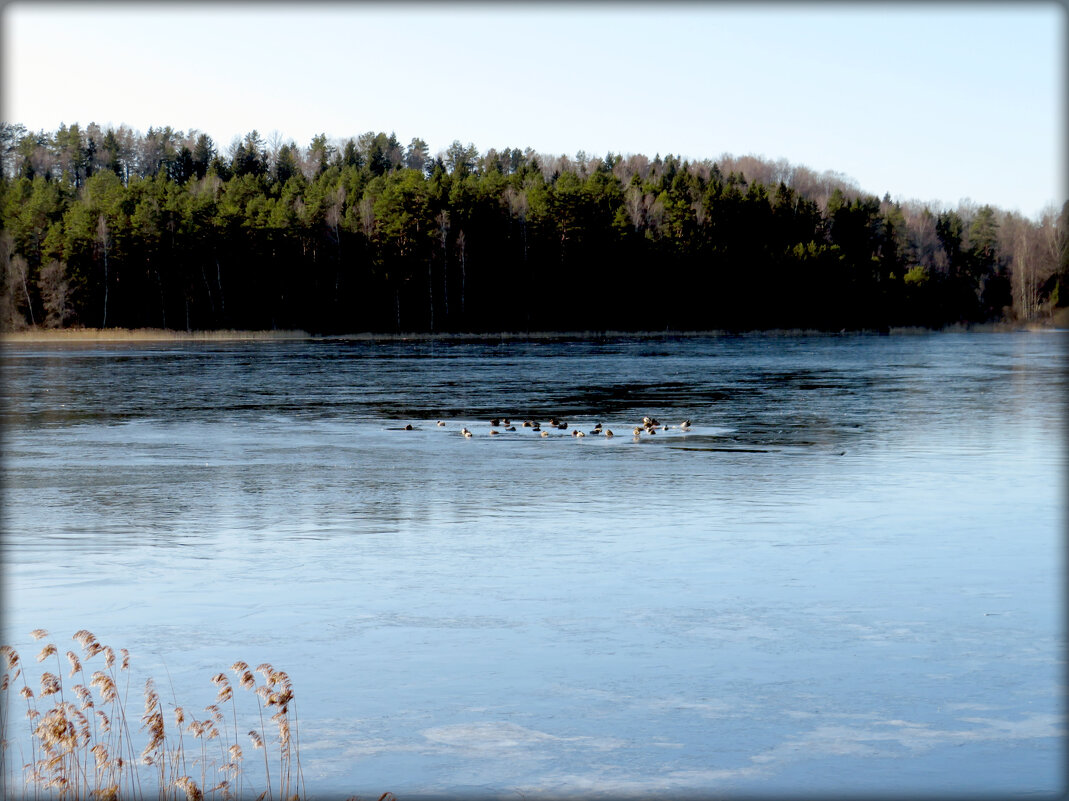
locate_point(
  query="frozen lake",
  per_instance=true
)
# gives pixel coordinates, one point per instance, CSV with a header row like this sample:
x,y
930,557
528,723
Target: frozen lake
x,y
847,577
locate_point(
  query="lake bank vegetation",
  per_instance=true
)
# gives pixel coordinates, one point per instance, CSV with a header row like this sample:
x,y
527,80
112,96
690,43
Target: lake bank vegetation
x,y
113,229
39,334
36,335
83,737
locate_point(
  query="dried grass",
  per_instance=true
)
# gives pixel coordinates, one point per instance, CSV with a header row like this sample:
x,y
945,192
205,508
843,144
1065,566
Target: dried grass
x,y
47,335
86,750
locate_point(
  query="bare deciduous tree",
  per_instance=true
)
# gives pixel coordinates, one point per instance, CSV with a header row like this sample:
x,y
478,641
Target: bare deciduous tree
x,y
639,165
636,208
443,236
1027,270
367,216
55,289
923,245
654,213
275,141
44,161
13,286
518,208
335,214
104,242
1055,228
462,249
702,169
700,213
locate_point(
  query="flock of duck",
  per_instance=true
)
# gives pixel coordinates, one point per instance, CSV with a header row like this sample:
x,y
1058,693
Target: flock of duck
x,y
650,426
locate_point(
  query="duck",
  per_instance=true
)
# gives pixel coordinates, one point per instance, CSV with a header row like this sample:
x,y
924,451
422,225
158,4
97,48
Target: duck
x,y
495,422
440,424
465,432
494,431
685,425
637,432
510,428
505,422
544,433
608,433
527,424
408,427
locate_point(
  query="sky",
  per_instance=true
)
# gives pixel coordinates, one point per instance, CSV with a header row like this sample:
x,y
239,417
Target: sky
x,y
940,103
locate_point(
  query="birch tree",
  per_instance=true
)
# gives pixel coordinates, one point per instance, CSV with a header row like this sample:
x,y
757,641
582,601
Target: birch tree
x,y
55,289
104,243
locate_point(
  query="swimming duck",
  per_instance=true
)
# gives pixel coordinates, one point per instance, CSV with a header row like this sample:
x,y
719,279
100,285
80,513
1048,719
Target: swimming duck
x,y
408,427
495,422
608,433
440,424
545,433
685,425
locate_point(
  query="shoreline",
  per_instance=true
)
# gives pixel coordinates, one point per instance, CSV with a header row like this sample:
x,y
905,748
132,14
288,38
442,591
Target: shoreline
x,y
59,335
1060,321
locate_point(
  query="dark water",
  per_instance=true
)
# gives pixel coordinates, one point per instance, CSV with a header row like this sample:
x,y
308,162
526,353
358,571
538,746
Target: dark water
x,y
847,576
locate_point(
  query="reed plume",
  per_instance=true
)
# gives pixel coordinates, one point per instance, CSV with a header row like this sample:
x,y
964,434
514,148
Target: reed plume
x,y
83,748
193,793
76,665
46,652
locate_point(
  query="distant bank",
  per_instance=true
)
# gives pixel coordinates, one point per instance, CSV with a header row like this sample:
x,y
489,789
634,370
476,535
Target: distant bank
x,y
141,335
1059,320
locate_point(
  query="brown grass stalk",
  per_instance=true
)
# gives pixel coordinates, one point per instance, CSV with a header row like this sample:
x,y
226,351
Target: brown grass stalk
x,y
82,747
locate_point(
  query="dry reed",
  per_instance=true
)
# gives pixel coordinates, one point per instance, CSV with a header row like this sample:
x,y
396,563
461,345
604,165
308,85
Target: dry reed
x,y
65,335
84,748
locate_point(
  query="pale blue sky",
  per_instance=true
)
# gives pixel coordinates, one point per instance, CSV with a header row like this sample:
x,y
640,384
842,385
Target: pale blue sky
x,y
923,101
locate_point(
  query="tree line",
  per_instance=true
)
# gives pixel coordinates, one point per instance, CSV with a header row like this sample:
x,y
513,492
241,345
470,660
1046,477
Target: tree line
x,y
114,228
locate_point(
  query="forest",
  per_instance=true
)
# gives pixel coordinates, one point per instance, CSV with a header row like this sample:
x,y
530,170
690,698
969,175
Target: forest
x,y
112,228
